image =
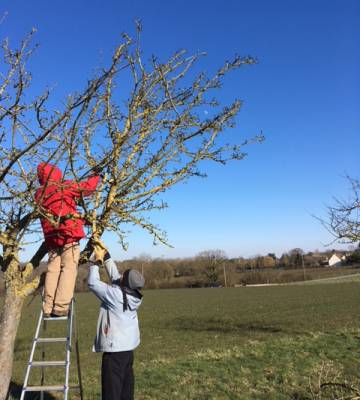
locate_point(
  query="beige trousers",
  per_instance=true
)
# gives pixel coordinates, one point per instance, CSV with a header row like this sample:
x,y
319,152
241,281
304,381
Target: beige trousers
x,y
60,278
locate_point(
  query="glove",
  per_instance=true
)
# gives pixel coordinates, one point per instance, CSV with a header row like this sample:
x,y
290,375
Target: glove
x,y
98,170
100,250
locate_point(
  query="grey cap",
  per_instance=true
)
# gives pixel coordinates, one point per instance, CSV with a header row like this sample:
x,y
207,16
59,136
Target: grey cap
x,y
133,279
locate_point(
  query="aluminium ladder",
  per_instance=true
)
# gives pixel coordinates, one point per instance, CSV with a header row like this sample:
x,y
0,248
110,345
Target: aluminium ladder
x,y
71,326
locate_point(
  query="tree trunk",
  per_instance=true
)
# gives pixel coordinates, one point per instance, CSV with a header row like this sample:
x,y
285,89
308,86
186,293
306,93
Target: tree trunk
x,y
9,323
11,313
17,288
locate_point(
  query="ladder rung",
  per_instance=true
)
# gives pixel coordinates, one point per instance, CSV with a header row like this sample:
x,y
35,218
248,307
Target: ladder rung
x,y
55,318
49,388
50,340
44,388
48,363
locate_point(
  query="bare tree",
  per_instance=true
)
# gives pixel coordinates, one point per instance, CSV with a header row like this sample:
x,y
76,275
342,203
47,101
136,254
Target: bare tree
x,y
343,218
141,123
213,261
29,133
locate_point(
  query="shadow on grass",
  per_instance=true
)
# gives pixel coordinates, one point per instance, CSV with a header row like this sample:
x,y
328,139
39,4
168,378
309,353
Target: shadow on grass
x,y
15,393
221,326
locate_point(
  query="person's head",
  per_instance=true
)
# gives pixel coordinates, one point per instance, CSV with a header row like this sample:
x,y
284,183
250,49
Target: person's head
x,y
48,172
132,279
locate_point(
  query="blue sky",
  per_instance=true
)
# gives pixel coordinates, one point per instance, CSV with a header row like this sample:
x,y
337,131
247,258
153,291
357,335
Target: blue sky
x,y
304,95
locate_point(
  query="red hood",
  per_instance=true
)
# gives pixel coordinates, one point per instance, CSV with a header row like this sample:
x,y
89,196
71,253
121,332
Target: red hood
x,y
49,172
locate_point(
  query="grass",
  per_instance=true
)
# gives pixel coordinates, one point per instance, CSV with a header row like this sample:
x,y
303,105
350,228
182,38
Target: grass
x,y
281,342
280,275
333,279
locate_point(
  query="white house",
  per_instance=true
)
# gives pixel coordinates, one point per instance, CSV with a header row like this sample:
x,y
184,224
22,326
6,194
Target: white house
x,y
336,260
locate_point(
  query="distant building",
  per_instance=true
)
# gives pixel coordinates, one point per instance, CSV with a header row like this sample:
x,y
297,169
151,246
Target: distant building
x,y
319,259
336,260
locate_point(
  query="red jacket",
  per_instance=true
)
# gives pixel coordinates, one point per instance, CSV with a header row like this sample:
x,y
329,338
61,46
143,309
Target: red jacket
x,y
59,198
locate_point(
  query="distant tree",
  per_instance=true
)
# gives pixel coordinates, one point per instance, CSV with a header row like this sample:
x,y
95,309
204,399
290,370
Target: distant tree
x,y
354,257
240,263
259,261
269,262
187,267
264,262
310,260
251,263
296,250
296,257
159,273
284,260
343,217
212,261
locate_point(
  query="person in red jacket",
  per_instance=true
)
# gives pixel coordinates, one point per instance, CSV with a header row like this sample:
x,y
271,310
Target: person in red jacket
x,y
63,229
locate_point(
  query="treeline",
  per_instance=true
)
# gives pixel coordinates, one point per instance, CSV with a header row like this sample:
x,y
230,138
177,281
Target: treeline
x,y
212,268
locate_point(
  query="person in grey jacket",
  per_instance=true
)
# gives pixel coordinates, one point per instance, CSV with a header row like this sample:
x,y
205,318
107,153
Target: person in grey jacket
x,y
118,327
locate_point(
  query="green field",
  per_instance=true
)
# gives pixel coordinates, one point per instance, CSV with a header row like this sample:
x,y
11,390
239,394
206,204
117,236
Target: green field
x,y
280,342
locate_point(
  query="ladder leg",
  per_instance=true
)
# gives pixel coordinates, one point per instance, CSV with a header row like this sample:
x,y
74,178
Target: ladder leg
x,y
77,353
42,380
68,349
27,374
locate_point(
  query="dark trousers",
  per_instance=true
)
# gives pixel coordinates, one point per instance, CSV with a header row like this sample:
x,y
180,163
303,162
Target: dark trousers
x,y
117,376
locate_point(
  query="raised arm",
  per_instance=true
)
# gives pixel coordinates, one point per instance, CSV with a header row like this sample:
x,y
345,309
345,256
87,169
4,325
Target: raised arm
x,y
86,187
108,294
111,269
103,257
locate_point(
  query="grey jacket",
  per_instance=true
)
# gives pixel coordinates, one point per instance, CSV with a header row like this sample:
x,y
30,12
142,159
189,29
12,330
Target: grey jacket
x,y
117,330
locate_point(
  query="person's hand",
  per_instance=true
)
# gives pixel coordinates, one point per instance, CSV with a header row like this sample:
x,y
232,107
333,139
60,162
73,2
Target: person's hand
x,y
98,170
99,250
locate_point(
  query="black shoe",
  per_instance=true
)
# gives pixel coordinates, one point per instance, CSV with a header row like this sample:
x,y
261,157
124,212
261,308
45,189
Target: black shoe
x,y
59,314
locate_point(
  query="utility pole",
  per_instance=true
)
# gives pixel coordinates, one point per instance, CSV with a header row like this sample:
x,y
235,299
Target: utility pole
x,y
303,266
225,282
